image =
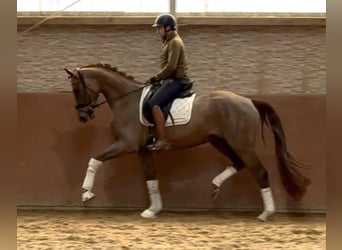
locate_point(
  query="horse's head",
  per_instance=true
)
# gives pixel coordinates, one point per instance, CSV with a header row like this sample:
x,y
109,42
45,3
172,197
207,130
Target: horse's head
x,y
84,95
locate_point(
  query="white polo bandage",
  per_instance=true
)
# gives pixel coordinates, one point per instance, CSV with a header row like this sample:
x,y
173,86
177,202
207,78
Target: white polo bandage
x,y
93,166
228,172
266,194
155,198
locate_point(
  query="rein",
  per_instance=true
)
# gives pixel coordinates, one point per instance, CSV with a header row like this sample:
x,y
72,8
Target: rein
x,y
128,93
103,102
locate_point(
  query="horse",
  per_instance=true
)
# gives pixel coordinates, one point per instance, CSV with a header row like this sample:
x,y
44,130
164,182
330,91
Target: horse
x,y
229,122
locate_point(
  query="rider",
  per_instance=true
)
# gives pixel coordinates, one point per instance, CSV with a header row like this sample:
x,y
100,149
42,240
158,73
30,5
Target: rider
x,y
172,76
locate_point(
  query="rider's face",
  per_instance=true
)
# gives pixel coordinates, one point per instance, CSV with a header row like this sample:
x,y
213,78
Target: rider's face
x,y
160,31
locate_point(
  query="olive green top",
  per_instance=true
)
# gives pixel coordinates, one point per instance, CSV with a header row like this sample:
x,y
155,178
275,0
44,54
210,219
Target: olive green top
x,y
173,59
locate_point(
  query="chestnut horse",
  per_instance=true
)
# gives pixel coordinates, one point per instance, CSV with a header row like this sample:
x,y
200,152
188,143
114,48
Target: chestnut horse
x,y
227,121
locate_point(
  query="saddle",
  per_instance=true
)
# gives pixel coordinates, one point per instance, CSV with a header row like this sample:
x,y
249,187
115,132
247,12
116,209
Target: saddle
x,y
187,92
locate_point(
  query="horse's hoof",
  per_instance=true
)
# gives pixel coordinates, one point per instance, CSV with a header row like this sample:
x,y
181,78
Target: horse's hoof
x,y
148,214
264,215
215,193
87,196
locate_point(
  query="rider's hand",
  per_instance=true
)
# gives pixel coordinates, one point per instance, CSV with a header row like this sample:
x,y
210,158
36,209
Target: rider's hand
x,y
152,80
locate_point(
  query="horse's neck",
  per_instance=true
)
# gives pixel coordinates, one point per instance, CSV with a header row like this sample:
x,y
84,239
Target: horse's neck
x,y
123,96
115,87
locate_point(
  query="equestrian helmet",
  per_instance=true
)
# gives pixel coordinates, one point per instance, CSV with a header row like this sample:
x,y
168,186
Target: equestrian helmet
x,y
165,20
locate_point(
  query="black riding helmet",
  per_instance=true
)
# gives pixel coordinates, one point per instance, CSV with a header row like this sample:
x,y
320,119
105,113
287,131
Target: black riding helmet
x,y
165,20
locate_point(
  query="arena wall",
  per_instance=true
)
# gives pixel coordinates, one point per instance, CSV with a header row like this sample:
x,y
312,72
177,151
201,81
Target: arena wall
x,y
250,55
54,149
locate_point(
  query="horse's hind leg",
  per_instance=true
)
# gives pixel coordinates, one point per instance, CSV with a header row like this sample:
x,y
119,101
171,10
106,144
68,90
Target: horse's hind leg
x,y
152,183
223,147
253,163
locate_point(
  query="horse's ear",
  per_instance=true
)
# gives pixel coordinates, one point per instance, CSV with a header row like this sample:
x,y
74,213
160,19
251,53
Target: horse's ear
x,y
69,73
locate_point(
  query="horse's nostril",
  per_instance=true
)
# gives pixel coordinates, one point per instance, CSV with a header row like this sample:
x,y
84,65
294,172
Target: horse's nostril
x,y
83,119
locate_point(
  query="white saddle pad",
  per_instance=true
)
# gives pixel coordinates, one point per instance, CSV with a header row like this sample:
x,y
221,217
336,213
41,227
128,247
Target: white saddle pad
x,y
180,110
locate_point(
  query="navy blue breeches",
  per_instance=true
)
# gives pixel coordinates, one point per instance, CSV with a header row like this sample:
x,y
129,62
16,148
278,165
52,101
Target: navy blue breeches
x,y
167,92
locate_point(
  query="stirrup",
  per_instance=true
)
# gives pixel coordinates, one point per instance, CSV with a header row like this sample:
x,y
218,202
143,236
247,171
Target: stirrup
x,y
154,148
164,146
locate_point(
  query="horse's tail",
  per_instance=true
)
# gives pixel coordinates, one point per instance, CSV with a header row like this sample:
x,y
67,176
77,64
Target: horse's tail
x,y
294,182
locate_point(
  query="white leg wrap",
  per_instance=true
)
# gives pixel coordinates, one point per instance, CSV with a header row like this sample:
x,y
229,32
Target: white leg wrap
x,y
155,199
269,208
228,172
88,182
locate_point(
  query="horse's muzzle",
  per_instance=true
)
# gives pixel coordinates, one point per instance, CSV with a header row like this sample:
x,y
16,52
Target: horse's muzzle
x,y
83,119
86,115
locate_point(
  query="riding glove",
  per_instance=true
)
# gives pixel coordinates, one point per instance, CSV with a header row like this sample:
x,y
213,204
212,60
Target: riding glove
x,y
152,80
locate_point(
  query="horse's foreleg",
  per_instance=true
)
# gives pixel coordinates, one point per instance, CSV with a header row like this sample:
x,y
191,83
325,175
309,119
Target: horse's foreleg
x,y
156,204
152,183
117,149
88,181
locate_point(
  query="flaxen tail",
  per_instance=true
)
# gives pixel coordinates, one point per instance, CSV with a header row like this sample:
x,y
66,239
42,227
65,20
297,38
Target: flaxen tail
x,y
294,182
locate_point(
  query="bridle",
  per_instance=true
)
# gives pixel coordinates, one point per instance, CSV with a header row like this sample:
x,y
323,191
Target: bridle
x,y
96,105
85,87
